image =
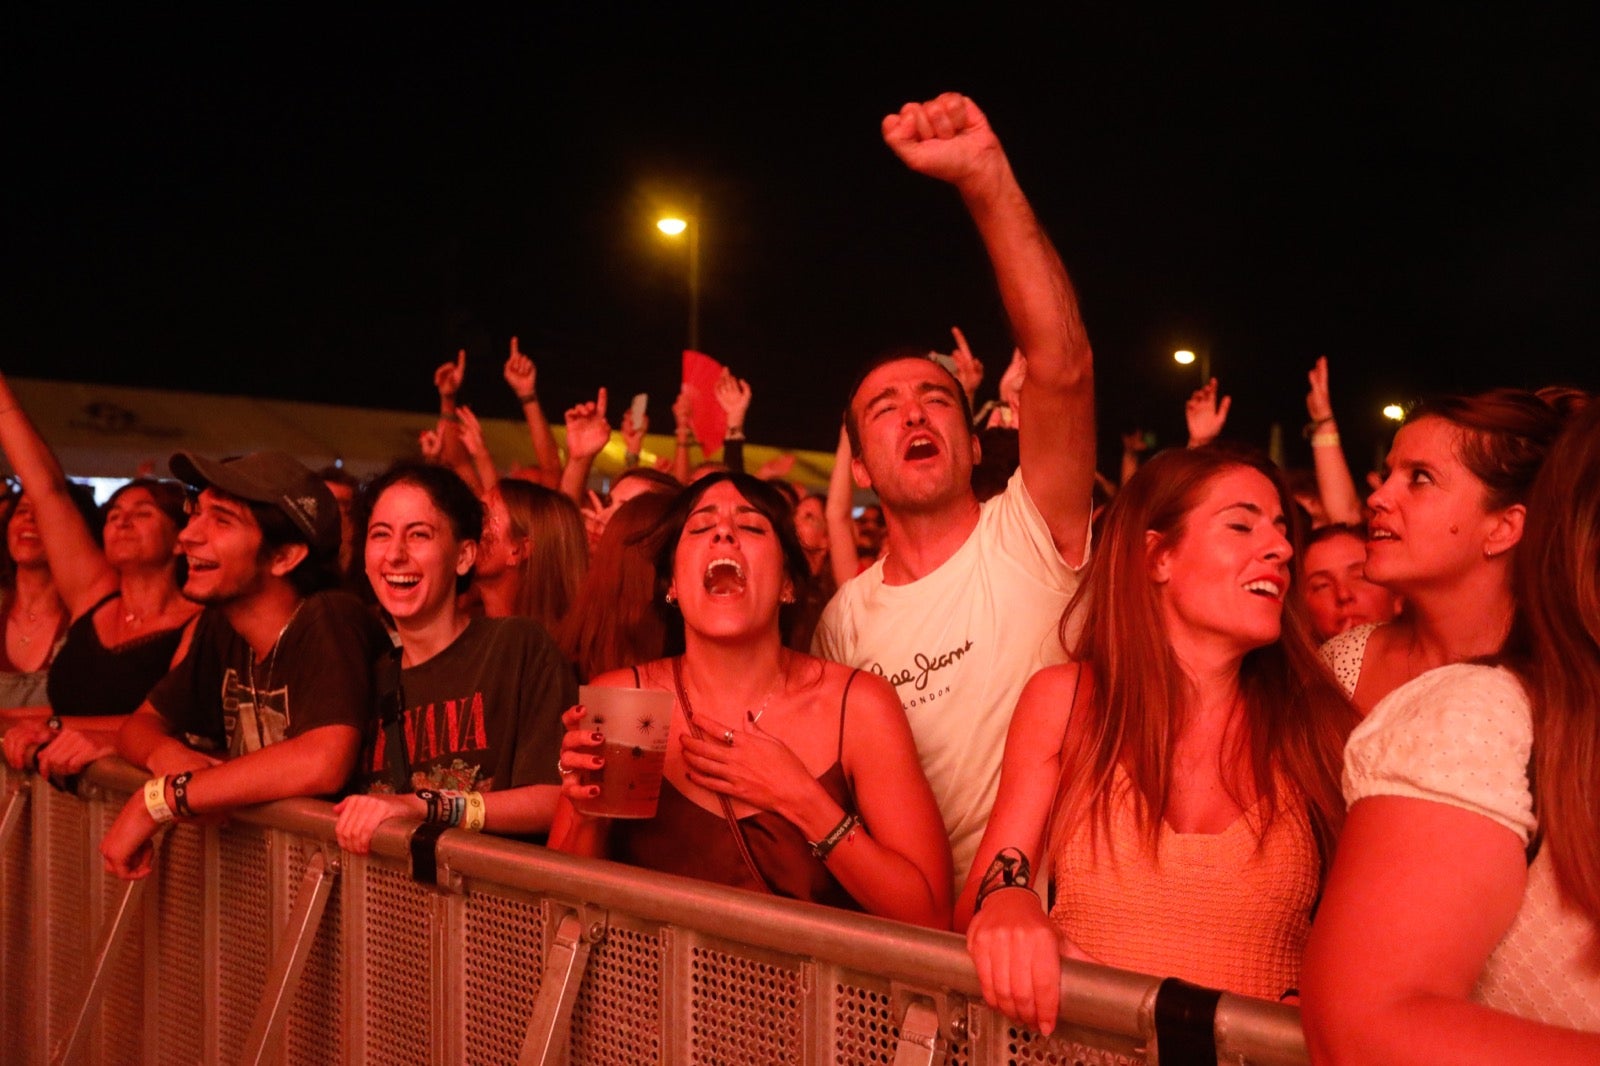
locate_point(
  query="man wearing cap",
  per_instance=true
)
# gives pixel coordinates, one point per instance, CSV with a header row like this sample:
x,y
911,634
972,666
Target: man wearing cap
x,y
277,687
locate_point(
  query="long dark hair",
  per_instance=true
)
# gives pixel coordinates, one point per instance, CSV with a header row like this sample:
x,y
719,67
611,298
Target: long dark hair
x,y
1296,717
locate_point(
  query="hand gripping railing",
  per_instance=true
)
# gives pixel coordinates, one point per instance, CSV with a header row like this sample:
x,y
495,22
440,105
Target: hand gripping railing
x,y
261,942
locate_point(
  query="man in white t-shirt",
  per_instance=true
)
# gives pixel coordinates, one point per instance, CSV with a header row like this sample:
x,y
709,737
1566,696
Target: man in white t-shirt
x,y
966,605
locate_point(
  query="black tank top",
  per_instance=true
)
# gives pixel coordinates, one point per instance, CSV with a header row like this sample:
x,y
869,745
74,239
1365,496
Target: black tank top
x,y
88,678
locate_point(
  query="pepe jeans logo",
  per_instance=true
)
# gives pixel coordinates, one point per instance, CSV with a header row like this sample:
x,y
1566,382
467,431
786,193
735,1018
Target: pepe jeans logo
x,y
923,666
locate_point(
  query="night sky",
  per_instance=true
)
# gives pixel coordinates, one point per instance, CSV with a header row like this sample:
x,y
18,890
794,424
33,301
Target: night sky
x,y
325,206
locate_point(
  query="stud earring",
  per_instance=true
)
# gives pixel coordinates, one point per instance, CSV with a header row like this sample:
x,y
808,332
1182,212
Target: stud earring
x,y
672,597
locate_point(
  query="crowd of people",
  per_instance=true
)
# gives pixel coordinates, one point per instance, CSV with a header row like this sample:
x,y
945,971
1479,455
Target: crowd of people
x,y
1213,721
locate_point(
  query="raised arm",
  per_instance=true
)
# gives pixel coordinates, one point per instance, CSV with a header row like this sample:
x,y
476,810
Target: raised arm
x,y
1334,483
733,396
483,469
447,378
1205,413
969,369
587,434
520,374
841,530
682,432
78,566
950,139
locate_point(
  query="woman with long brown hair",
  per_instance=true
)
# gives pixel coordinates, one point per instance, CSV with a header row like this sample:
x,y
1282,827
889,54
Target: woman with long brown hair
x,y
1462,920
533,555
614,620
1180,773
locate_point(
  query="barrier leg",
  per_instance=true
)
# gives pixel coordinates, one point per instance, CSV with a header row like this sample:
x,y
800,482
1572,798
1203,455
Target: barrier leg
x,y
16,803
116,930
920,1043
558,991
304,920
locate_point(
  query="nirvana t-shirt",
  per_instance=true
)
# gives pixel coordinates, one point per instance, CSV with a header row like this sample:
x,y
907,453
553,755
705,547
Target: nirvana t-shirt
x,y
319,673
484,713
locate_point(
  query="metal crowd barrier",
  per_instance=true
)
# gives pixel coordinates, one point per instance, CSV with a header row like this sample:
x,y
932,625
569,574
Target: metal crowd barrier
x,y
261,942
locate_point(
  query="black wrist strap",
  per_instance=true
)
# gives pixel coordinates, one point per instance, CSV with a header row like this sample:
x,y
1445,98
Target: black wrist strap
x,y
425,852
1186,1023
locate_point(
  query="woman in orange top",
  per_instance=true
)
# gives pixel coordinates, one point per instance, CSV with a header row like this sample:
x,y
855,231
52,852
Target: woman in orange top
x,y
1182,772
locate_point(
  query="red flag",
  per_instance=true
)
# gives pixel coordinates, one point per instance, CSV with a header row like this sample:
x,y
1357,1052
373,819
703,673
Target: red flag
x,y
710,421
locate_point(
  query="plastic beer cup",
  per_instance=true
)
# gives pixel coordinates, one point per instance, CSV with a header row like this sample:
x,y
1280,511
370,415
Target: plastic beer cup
x,y
635,723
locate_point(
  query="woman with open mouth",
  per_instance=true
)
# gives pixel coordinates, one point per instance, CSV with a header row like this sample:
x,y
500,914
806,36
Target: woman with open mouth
x,y
469,722
1443,534
784,773
1180,775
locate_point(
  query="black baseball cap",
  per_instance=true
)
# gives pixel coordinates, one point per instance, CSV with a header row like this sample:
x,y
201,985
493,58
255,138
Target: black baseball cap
x,y
275,479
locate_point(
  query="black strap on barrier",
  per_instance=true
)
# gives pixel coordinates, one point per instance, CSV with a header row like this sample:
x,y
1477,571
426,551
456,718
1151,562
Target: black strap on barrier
x,y
424,852
1186,1023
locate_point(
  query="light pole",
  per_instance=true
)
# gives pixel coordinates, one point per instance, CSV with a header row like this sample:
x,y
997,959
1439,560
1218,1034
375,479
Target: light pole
x,y
1184,357
689,228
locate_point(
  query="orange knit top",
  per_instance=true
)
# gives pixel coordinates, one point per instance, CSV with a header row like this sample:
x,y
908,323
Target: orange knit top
x,y
1211,908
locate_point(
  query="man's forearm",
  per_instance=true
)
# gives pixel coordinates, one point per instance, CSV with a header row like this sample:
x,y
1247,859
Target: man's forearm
x,y
315,763
1034,287
142,734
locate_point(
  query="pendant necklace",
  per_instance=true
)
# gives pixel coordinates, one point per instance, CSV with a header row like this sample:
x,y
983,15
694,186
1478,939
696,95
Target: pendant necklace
x,y
272,658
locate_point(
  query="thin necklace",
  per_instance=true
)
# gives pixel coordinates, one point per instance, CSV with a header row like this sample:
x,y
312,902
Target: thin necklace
x,y
272,659
753,717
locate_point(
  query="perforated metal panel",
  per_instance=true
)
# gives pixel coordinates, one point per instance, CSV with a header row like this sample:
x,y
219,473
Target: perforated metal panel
x,y
865,1029
315,1033
617,1018
17,902
180,911
122,1008
743,1009
504,964
244,934
67,886
399,992
1025,1047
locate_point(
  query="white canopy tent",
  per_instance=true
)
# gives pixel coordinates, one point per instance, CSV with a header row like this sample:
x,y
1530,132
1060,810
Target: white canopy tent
x,y
118,431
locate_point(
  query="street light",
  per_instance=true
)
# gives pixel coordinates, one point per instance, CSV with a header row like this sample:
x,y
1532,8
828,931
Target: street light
x,y
1394,412
675,226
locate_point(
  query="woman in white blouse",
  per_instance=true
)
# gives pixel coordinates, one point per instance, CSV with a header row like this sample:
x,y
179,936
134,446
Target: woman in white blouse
x,y
1445,523
1461,922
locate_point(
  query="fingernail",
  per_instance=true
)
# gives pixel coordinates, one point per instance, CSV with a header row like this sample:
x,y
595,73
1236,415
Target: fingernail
x,y
594,790
598,738
599,761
